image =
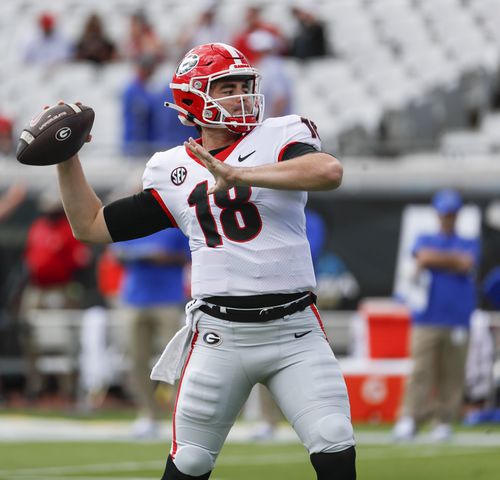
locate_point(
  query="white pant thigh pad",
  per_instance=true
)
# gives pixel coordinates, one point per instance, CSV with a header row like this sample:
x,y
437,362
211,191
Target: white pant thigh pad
x,y
211,393
309,387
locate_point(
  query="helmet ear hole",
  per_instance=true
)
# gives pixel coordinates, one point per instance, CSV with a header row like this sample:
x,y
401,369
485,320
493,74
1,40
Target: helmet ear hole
x,y
187,102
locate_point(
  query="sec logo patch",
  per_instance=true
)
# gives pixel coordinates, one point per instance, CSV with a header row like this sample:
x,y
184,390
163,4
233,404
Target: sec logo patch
x,y
178,175
213,339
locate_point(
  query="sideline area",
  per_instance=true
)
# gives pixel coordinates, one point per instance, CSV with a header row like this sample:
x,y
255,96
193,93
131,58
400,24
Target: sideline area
x,y
20,428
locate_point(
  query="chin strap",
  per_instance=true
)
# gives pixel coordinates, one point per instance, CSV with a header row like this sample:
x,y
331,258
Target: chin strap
x,y
188,119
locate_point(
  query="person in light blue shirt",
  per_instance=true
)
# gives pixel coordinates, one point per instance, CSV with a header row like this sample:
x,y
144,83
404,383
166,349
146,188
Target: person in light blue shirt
x,y
440,330
153,292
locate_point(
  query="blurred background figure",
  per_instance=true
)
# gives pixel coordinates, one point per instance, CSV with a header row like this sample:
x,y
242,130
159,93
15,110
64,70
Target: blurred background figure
x,y
138,107
148,126
142,39
46,46
276,86
309,40
98,345
6,136
53,259
253,22
11,199
205,29
440,332
168,131
483,361
94,45
153,294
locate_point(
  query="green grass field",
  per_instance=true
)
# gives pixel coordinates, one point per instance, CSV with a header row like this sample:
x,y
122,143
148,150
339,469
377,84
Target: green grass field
x,y
143,461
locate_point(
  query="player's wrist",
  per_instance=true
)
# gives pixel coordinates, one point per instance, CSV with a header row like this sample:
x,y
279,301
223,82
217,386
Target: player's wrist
x,y
240,176
71,162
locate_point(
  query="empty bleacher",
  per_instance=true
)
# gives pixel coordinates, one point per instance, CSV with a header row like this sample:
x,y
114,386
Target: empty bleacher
x,y
405,72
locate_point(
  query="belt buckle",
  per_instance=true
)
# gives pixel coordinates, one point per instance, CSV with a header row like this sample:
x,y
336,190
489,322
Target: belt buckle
x,y
264,311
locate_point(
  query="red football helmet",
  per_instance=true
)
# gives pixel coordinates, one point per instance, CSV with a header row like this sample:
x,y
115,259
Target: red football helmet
x,y
193,78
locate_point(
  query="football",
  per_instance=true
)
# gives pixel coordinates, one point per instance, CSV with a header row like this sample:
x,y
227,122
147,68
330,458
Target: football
x,y
55,134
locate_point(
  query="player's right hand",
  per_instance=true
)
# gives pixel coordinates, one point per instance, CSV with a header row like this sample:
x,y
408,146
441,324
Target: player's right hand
x,y
223,173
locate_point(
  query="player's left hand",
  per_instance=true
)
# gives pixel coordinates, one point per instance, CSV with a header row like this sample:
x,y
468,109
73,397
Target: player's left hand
x,y
223,174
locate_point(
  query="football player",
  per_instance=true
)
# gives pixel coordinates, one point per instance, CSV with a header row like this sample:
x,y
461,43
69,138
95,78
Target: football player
x,y
238,192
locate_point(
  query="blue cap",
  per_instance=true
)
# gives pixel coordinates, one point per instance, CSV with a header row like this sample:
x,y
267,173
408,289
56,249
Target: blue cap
x,y
447,201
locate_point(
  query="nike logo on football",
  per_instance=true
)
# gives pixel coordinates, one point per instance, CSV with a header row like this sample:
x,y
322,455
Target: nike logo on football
x,y
240,158
303,334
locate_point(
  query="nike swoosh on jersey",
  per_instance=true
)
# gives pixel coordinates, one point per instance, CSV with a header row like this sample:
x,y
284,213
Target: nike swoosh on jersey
x,y
303,334
240,158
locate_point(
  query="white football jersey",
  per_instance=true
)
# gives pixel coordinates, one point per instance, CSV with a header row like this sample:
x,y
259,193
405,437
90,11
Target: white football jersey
x,y
248,240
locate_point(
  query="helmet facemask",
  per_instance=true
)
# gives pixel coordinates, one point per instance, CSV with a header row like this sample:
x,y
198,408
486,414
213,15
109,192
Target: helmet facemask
x,y
213,113
246,113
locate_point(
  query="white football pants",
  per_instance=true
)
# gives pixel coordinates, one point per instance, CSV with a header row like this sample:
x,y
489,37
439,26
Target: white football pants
x,y
290,356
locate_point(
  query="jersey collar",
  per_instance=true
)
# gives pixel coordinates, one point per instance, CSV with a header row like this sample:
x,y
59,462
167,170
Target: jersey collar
x,y
221,155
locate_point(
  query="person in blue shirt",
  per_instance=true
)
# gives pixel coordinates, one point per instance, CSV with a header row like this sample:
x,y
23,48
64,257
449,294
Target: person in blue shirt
x,y
148,126
440,330
153,293
138,104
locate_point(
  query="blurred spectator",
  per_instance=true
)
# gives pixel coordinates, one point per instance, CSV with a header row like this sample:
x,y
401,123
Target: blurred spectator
x,y
479,365
168,131
276,83
47,46
153,292
96,346
334,282
10,199
206,29
142,40
138,105
148,125
53,258
337,287
440,332
254,22
491,288
94,45
6,136
309,40
109,274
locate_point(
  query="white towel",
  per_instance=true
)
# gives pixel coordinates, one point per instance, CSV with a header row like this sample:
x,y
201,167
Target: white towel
x,y
169,366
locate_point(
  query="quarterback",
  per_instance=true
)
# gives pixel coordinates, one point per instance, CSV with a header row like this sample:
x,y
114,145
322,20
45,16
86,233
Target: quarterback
x,y
238,192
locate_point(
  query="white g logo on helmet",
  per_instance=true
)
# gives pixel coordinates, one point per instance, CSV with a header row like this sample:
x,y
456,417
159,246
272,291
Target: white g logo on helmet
x,y
63,134
187,64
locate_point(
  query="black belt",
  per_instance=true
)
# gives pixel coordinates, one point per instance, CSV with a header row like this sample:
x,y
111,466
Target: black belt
x,y
258,314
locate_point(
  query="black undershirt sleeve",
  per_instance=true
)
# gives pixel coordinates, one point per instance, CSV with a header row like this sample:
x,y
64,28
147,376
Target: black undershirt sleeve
x,y
297,150
136,216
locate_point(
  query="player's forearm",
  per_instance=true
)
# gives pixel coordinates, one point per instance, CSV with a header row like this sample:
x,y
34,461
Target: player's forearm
x,y
82,206
454,262
314,171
